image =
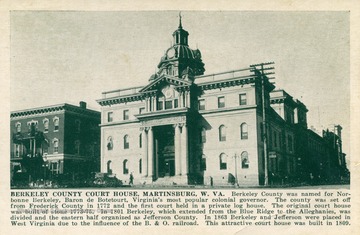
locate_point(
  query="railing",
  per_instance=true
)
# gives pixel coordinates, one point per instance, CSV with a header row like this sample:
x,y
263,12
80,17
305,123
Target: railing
x,y
224,75
121,92
239,73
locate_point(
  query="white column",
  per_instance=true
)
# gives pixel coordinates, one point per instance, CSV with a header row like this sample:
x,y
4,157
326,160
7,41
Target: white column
x,y
181,100
184,151
151,153
145,152
187,99
147,104
177,150
151,104
154,104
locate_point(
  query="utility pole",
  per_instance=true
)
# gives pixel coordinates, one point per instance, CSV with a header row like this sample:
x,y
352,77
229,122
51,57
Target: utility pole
x,y
266,173
264,122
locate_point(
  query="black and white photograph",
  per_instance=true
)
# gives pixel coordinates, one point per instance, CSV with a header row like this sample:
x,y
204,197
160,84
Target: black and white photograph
x,y
181,117
152,99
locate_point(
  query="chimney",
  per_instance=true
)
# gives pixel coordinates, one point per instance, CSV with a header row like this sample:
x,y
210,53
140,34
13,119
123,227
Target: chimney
x,y
83,104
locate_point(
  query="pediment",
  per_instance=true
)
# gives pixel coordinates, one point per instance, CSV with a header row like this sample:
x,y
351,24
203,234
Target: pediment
x,y
163,81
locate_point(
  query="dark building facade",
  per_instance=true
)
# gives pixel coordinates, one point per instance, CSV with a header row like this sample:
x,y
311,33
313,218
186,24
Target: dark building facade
x,y
60,141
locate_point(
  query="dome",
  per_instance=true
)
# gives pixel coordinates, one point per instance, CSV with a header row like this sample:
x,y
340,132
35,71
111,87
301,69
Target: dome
x,y
184,52
180,56
180,52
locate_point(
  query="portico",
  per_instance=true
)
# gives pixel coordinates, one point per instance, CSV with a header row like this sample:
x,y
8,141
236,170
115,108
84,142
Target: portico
x,y
165,149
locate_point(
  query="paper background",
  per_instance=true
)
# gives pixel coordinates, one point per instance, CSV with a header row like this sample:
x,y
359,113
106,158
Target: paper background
x,y
352,6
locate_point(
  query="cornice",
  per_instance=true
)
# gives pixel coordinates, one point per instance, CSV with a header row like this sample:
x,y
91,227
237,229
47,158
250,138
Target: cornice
x,y
118,123
61,108
229,109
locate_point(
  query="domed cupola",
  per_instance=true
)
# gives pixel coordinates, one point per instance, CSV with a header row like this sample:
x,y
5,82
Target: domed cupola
x,y
180,35
180,60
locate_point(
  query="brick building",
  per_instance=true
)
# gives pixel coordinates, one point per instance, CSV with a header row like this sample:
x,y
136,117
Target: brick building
x,y
54,141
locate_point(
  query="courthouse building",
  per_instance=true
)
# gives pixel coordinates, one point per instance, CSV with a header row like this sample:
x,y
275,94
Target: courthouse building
x,y
54,141
185,127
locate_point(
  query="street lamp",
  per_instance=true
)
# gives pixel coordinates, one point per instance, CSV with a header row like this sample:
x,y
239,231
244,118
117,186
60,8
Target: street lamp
x,y
236,175
45,165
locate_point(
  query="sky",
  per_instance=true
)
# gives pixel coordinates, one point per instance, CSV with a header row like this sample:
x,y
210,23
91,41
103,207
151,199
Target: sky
x,y
67,57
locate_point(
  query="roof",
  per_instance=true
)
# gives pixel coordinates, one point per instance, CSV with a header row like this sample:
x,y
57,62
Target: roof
x,y
53,108
205,82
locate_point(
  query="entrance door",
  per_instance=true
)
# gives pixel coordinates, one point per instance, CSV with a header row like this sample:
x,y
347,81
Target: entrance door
x,y
165,155
169,167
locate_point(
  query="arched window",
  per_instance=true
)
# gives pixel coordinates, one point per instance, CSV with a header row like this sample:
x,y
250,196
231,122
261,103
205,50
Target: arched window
x,y
125,167
109,143
140,166
109,170
46,125
222,133
33,125
244,160
56,123
18,127
223,161
56,145
244,131
126,142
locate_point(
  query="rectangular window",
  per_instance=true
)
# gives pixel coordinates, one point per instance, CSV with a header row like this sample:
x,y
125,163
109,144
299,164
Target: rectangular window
x,y
176,103
54,168
110,116
203,136
221,102
168,104
202,104
17,150
242,99
126,115
141,110
160,105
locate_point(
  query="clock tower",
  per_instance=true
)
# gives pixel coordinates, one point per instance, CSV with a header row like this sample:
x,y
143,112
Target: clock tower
x,y
180,60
